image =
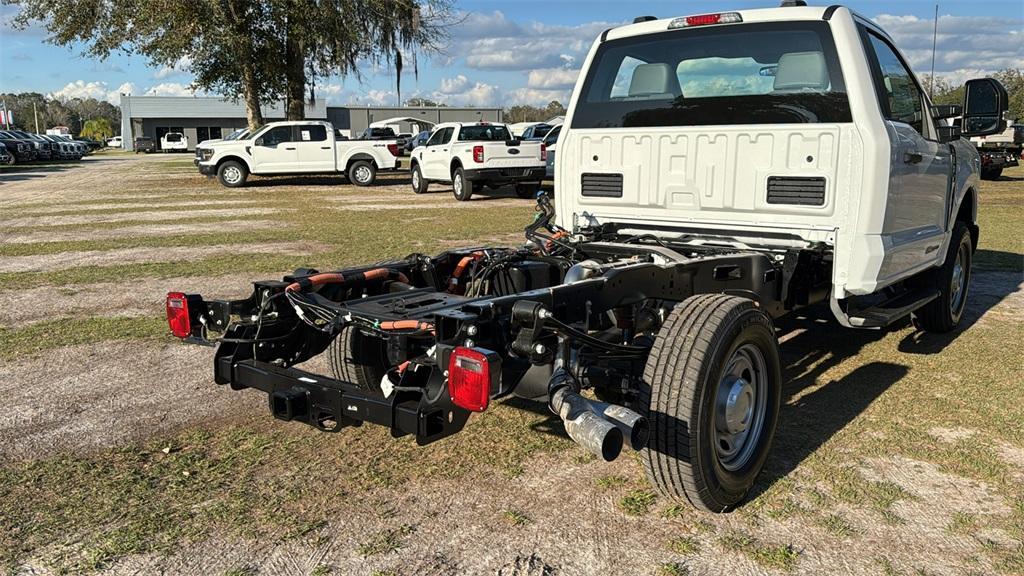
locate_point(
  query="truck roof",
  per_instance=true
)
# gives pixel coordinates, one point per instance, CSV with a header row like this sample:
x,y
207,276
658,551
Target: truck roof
x,y
461,124
779,14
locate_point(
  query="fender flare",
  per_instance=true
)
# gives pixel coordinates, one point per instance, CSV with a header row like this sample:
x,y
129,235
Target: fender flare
x,y
237,158
360,156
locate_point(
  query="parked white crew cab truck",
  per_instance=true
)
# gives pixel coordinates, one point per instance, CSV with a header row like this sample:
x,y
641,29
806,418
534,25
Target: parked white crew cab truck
x,y
298,147
474,155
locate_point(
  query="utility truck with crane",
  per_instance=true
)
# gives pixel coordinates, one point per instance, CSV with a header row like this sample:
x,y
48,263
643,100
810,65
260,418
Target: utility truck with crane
x,y
715,172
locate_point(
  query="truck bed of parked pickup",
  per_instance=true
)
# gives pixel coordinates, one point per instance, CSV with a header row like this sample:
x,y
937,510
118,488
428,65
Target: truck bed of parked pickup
x,y
304,147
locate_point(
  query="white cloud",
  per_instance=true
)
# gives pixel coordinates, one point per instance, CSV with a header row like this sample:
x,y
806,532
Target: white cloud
x,y
95,89
491,41
180,67
170,89
537,97
454,85
964,43
552,78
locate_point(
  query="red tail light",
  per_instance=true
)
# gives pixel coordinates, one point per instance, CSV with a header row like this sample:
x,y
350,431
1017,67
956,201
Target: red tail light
x,y
469,379
178,315
478,154
544,152
393,148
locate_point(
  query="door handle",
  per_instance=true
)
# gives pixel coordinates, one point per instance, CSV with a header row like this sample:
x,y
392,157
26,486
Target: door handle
x,y
287,148
912,157
325,147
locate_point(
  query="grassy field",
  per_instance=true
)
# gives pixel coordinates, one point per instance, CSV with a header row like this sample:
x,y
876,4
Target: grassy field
x,y
897,453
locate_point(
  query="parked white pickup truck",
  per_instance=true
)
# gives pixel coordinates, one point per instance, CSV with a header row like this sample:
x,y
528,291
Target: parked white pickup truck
x,y
174,142
300,147
471,155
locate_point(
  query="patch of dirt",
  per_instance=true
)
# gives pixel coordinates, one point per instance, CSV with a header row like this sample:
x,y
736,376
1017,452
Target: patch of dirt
x,y
100,395
996,296
40,236
146,216
89,179
951,434
63,260
146,297
353,207
39,210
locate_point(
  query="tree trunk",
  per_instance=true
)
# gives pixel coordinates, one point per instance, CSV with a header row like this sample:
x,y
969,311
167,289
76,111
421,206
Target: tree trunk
x,y
252,99
295,74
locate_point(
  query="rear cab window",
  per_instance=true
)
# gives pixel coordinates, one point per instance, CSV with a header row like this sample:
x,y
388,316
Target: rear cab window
x,y
756,73
484,133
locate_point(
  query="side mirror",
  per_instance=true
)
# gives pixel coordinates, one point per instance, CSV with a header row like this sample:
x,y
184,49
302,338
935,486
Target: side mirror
x,y
944,111
985,102
258,142
948,133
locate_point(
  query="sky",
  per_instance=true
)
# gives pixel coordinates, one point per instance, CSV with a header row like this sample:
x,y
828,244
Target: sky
x,y
520,52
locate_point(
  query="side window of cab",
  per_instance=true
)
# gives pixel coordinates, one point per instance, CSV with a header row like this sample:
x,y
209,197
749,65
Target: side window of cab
x,y
435,138
899,95
277,135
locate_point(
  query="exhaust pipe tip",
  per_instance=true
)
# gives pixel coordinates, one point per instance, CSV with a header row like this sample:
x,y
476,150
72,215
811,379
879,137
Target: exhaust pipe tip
x,y
587,428
633,425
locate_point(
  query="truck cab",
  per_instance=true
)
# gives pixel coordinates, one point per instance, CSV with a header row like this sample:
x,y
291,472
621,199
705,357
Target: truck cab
x,y
782,127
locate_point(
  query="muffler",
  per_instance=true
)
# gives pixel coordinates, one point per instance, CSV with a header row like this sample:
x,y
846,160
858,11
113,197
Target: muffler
x,y
598,427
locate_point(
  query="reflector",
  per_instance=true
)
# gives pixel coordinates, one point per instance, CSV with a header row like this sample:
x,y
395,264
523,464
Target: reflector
x,y
469,379
178,314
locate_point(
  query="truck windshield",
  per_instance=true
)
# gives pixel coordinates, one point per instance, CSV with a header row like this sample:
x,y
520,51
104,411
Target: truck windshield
x,y
173,137
765,73
484,133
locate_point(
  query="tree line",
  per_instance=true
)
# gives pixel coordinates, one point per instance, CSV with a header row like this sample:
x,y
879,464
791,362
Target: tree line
x,y
259,51
86,117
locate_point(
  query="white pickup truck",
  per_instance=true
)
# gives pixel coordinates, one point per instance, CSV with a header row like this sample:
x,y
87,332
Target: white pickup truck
x,y
481,154
299,147
715,171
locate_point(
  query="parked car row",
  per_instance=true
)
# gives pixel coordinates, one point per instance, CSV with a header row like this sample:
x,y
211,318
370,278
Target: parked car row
x,y
20,147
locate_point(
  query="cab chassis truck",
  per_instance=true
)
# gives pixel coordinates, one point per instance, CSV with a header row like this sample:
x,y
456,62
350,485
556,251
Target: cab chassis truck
x,y
641,306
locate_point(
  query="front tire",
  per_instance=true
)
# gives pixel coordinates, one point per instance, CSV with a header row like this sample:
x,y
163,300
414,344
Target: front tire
x,y
419,183
953,279
713,384
232,174
362,173
462,188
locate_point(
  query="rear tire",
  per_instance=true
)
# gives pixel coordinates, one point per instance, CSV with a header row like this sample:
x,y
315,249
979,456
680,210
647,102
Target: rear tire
x,y
991,174
232,174
953,280
527,190
358,359
462,188
362,173
419,183
713,384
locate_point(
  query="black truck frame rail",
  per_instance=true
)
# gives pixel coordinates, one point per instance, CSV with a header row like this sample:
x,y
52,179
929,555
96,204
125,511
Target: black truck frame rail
x,y
264,338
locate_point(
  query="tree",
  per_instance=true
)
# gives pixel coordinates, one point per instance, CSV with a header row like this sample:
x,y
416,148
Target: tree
x,y
424,103
230,45
98,129
336,37
526,113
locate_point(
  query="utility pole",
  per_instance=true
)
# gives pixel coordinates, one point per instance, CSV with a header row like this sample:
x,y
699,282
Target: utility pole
x,y
35,115
935,35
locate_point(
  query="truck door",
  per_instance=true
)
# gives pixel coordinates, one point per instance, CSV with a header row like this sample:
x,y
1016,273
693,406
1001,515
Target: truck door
x,y
315,149
437,154
920,167
274,152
